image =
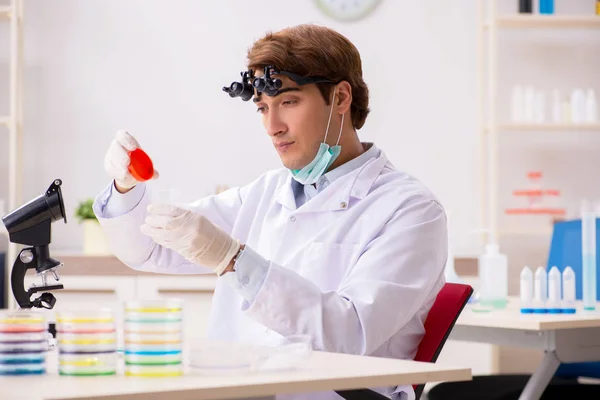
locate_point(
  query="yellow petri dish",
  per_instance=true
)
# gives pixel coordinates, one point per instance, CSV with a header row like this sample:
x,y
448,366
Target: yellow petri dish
x,y
153,338
159,371
88,360
154,306
99,316
17,317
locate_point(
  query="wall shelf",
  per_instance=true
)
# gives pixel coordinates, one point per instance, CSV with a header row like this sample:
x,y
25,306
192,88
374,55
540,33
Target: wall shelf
x,y
547,21
491,26
549,127
5,11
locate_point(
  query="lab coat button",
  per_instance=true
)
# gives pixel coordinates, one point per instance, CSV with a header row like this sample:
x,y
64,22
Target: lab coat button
x,y
246,280
292,219
343,204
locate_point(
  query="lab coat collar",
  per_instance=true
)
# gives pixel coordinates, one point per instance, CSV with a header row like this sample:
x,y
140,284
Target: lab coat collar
x,y
337,195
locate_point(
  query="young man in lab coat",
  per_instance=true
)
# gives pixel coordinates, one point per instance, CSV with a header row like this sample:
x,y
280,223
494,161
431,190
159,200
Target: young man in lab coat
x,y
337,244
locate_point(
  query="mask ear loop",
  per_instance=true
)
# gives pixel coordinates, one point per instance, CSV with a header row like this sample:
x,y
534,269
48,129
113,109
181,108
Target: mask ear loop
x,y
341,126
329,120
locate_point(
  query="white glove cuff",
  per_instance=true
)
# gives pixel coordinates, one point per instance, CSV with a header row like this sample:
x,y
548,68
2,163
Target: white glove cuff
x,y
234,247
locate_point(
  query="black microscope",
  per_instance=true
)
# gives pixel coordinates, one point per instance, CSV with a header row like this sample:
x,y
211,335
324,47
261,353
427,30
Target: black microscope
x,y
30,225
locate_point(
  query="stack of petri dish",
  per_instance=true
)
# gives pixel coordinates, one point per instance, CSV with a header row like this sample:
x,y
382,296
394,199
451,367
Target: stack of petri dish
x,y
23,343
153,334
87,342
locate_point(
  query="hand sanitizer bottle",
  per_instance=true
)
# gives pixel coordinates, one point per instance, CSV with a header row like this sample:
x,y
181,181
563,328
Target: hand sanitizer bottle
x,y
554,284
526,291
493,276
568,284
540,291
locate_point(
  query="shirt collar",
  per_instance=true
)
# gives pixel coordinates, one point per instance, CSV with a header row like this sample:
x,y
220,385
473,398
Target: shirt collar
x,y
356,183
371,151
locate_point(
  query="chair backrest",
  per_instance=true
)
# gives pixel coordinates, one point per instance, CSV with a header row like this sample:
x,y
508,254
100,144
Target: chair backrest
x,y
446,308
444,312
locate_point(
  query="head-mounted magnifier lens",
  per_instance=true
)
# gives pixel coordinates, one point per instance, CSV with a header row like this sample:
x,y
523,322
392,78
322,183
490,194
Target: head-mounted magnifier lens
x,y
266,83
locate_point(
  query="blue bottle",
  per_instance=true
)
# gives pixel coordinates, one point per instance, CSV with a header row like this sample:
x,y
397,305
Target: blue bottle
x,y
546,6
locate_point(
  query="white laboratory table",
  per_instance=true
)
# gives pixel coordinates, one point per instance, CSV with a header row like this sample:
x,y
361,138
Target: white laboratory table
x,y
565,338
323,371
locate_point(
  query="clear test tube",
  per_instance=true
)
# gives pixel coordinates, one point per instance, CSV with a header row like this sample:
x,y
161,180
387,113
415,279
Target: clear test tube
x,y
588,253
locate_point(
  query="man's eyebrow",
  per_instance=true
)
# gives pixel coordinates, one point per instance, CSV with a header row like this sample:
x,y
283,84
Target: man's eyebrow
x,y
256,99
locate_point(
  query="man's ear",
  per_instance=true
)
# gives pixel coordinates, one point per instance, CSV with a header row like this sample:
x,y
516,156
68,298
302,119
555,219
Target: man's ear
x,y
343,99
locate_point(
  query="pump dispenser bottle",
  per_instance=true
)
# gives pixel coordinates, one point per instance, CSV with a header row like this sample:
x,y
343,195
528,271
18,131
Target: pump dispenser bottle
x,y
493,277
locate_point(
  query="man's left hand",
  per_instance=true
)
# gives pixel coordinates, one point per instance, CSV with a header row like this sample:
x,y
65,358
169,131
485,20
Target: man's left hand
x,y
192,235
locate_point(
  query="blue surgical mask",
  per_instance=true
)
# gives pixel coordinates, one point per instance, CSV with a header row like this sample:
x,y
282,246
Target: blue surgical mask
x,y
325,157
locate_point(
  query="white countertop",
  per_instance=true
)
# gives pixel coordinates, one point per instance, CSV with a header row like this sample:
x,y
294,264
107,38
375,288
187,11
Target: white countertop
x,y
324,371
511,318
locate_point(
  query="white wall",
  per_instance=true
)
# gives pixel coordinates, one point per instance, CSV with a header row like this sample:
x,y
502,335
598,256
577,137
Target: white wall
x,y
156,68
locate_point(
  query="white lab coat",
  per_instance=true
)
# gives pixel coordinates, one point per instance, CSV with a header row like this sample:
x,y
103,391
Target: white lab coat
x,y
357,267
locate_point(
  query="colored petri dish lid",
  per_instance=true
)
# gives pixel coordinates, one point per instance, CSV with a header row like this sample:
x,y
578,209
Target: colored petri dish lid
x,y
100,316
23,358
87,347
140,165
146,317
86,338
164,359
19,317
151,327
100,370
155,347
79,327
22,369
24,347
22,321
12,337
88,360
158,306
154,371
153,339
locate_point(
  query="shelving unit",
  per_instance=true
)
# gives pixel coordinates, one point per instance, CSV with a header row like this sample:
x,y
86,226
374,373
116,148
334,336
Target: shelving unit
x,y
549,127
13,123
545,21
490,23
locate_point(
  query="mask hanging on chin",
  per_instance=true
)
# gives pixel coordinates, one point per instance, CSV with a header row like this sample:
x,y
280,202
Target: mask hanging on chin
x,y
325,156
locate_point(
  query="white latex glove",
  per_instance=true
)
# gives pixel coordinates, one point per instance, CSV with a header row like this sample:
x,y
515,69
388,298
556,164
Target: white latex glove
x,y
191,235
117,160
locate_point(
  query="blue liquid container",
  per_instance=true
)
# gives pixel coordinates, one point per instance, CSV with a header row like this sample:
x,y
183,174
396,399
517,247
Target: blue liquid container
x,y
546,7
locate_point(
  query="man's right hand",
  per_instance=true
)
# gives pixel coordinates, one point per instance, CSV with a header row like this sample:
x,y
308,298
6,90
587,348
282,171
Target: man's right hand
x,y
116,161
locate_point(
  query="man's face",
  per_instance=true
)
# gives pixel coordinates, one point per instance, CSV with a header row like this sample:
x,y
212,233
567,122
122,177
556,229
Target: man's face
x,y
296,120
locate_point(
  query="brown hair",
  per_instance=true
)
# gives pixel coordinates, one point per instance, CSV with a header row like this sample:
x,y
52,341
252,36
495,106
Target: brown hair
x,y
316,51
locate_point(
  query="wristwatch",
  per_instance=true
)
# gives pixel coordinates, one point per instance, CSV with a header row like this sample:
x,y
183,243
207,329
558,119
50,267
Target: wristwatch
x,y
238,254
234,259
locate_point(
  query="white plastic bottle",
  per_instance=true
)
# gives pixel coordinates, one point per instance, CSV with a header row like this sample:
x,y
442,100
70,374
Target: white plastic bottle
x,y
493,277
578,106
529,103
554,297
539,107
526,291
568,284
517,104
556,107
540,291
591,107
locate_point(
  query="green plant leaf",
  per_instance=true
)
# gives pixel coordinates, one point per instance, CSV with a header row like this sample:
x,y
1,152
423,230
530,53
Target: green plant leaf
x,y
85,211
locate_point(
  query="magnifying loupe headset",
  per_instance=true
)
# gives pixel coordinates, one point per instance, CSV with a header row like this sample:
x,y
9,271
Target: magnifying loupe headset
x,y
266,83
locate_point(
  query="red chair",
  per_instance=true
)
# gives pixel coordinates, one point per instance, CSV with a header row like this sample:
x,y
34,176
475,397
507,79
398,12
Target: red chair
x,y
448,305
